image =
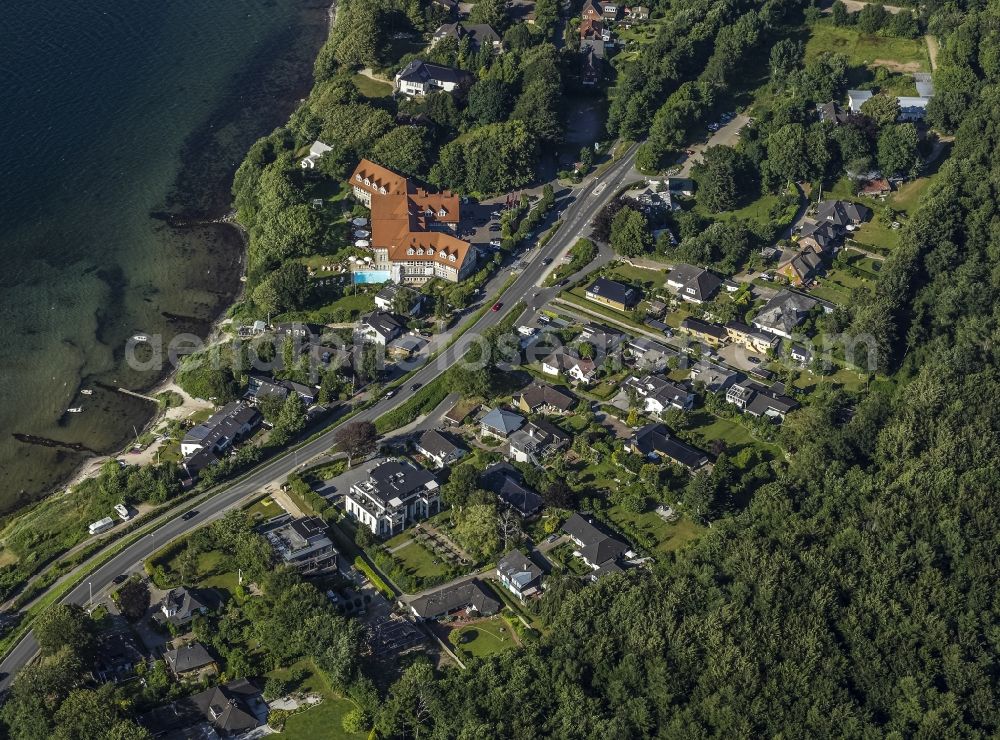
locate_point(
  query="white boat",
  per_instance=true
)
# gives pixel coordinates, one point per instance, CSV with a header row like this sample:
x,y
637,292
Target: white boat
x,y
361,243
140,338
75,410
87,392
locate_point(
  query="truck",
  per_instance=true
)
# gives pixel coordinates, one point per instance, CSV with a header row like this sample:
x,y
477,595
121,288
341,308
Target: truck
x,y
123,512
102,525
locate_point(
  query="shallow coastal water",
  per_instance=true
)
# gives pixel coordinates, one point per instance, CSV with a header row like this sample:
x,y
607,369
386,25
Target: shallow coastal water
x,y
115,115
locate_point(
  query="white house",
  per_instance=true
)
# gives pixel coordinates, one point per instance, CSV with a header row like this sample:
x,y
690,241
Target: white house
x,y
419,78
317,150
394,496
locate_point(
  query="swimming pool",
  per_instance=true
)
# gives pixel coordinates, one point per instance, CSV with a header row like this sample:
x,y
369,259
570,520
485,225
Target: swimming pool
x,y
371,276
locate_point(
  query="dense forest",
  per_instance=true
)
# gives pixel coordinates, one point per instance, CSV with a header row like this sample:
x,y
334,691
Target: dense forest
x,y
856,595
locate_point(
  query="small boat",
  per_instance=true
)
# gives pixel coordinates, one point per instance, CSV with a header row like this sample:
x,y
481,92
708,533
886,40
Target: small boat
x,y
87,392
140,338
75,410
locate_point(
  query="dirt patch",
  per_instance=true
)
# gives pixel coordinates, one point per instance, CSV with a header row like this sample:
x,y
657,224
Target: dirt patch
x,y
894,66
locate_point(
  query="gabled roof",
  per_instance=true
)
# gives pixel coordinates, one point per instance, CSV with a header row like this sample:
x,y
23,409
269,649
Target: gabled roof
x,y
189,657
612,290
385,324
784,311
518,568
833,113
566,358
539,394
693,282
507,483
463,595
656,439
842,212
184,601
503,421
232,708
694,324
597,546
436,443
421,71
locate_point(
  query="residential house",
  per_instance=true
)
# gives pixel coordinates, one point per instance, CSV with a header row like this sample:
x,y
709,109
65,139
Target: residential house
x,y
912,107
603,339
713,377
190,662
479,35
317,150
877,187
419,78
659,394
591,30
181,605
856,98
117,655
783,313
704,331
413,230
379,327
228,710
832,112
439,449
693,284
656,308
842,213
468,598
610,11
800,354
567,361
500,423
234,423
406,346
386,299
649,355
506,481
260,388
535,441
592,56
753,340
303,544
394,495
822,236
592,11
457,414
801,268
758,400
519,575
637,13
542,398
614,294
598,548
654,442
297,331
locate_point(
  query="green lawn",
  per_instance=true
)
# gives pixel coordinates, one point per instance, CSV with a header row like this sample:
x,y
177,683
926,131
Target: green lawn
x,y
638,275
265,509
483,639
837,285
730,431
420,562
759,210
347,308
372,88
322,721
669,535
863,50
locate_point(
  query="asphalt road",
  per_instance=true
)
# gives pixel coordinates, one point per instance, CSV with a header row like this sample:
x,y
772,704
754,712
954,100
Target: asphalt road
x,y
589,198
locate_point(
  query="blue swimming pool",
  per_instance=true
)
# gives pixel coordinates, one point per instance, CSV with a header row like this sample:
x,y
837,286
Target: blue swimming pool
x,y
371,276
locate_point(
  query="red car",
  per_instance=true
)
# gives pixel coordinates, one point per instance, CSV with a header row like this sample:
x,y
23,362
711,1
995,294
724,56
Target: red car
x,y
496,306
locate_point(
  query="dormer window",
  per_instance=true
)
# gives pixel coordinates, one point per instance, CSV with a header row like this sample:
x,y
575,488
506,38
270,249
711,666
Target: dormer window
x,y
442,213
420,250
382,190
430,251
367,181
358,177
410,250
451,258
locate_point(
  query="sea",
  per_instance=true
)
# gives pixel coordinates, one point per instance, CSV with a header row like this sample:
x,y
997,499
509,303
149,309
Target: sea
x,y
121,125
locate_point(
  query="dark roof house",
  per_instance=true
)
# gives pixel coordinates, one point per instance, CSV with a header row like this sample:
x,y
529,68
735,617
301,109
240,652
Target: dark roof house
x,y
597,547
613,293
694,284
654,441
507,483
540,396
469,596
842,212
230,709
188,658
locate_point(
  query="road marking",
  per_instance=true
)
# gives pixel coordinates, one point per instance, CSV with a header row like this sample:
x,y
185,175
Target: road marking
x,y
600,188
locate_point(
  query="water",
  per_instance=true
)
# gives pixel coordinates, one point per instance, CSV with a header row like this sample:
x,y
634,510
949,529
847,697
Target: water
x,y
117,117
362,277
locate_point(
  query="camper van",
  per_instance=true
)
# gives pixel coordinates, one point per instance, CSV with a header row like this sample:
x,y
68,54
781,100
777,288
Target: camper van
x,y
123,512
102,525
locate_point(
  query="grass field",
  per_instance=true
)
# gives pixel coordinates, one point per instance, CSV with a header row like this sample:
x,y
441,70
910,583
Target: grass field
x,y
735,435
419,562
863,50
372,88
265,509
638,276
323,720
483,639
669,535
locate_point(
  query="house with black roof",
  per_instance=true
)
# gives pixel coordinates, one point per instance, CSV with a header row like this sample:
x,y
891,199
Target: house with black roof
x,y
467,598
420,77
519,575
598,548
543,398
842,213
535,441
190,661
228,710
612,293
379,327
478,34
693,284
117,655
439,448
654,442
704,331
180,605
234,423
302,543
395,495
507,483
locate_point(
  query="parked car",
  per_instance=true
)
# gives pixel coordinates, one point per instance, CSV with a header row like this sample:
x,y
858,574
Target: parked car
x,y
495,242
495,214
495,227
753,360
121,578
547,261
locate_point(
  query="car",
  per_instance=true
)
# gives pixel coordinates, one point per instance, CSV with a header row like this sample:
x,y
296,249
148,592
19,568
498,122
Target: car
x,y
390,394
495,227
119,579
552,538
495,214
189,515
415,386
713,127
753,360
495,242
547,261
496,306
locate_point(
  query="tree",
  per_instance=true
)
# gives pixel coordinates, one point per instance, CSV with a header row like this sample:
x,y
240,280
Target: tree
x,y
404,149
133,598
356,438
64,625
490,12
292,418
786,56
872,18
490,159
787,158
882,109
841,16
490,100
509,529
630,233
722,175
897,150
471,382
699,494
476,530
462,484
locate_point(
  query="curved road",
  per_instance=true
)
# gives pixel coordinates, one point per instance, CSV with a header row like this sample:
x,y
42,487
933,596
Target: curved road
x,y
587,200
